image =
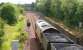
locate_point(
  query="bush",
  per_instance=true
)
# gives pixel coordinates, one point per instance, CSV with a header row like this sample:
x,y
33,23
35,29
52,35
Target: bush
x,y
22,37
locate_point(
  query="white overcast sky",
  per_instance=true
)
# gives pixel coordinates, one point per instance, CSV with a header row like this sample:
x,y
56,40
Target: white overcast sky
x,y
18,1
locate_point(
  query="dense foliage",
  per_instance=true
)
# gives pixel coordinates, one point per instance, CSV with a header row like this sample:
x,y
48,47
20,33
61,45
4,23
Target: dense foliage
x,y
9,12
1,32
68,11
11,21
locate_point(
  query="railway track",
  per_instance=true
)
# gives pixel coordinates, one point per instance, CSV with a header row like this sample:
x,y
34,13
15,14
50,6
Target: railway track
x,y
32,43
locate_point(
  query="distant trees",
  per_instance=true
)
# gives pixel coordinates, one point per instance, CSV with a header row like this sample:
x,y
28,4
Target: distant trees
x,y
68,11
29,7
40,5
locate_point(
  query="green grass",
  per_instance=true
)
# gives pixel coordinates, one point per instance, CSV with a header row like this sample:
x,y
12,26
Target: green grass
x,y
11,33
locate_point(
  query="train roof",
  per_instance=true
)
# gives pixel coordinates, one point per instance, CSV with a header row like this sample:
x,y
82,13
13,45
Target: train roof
x,y
56,37
43,25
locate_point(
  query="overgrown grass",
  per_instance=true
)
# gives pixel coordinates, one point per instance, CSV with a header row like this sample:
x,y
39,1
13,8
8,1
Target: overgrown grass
x,y
12,32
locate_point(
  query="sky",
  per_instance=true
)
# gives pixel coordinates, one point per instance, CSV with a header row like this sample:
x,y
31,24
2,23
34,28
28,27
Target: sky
x,y
18,1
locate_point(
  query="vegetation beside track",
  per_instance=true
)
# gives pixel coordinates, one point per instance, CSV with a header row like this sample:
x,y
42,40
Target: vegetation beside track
x,y
12,23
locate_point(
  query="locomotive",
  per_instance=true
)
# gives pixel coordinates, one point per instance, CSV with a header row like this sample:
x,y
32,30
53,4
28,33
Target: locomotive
x,y
52,39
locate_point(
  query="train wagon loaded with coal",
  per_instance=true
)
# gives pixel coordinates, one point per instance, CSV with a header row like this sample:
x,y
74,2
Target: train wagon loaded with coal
x,y
52,39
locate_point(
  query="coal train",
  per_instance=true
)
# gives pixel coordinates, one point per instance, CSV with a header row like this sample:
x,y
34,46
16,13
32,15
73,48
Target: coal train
x,y
52,39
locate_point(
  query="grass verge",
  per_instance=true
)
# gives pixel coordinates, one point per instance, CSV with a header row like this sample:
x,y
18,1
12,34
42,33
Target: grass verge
x,y
12,32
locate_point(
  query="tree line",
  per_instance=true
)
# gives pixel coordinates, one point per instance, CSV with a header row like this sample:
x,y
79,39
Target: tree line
x,y
68,11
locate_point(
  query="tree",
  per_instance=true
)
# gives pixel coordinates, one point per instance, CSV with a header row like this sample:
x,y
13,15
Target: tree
x,y
79,12
70,8
56,9
8,14
47,7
